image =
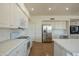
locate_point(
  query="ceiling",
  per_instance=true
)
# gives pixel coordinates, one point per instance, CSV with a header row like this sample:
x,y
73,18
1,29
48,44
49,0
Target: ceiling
x,y
56,8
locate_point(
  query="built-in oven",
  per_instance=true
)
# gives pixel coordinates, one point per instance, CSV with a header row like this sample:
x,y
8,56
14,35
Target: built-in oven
x,y
74,29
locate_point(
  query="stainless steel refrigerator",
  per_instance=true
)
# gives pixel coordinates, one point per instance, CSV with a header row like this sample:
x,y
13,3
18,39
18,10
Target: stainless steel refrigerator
x,y
46,33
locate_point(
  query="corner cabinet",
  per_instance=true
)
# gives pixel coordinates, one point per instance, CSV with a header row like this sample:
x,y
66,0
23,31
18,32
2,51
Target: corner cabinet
x,y
11,16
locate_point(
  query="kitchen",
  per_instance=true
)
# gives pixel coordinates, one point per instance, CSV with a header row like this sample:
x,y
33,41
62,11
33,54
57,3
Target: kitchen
x,y
22,24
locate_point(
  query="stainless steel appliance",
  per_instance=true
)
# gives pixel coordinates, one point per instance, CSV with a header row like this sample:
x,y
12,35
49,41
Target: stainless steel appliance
x,y
74,29
46,33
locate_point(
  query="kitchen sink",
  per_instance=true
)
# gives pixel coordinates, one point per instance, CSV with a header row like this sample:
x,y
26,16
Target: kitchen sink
x,y
63,37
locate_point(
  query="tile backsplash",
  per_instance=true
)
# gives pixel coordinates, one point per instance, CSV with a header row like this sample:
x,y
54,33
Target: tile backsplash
x,y
4,34
8,34
16,33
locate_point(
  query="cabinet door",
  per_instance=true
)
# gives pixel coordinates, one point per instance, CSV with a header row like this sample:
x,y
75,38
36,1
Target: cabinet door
x,y
9,15
4,15
58,50
23,20
26,22
19,51
15,16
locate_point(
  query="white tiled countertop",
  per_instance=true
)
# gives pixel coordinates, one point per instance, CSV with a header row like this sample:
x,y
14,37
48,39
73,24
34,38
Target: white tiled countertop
x,y
71,45
7,46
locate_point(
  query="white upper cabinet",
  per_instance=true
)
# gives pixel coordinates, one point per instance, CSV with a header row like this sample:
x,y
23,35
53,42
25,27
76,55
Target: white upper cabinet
x,y
11,16
19,19
76,22
14,15
23,20
4,15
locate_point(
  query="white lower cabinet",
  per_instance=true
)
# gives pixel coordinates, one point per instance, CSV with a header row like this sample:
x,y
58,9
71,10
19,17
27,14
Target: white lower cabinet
x,y
20,50
60,51
57,50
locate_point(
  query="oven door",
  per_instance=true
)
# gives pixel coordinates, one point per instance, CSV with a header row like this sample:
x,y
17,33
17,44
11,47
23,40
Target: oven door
x,y
74,30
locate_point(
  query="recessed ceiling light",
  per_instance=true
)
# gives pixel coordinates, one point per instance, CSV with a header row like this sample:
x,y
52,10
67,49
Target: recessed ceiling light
x,y
32,9
67,9
50,9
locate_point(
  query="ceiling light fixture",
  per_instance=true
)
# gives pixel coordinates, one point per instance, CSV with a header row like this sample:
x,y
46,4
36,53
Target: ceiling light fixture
x,y
32,9
50,9
67,9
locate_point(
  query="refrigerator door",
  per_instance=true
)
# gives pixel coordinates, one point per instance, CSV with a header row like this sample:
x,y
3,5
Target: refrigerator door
x,y
44,33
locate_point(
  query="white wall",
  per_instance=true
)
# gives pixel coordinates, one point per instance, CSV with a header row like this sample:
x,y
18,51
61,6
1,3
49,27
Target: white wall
x,y
36,22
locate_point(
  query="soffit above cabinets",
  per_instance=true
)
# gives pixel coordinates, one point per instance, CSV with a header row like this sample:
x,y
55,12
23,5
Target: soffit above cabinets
x,y
55,8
